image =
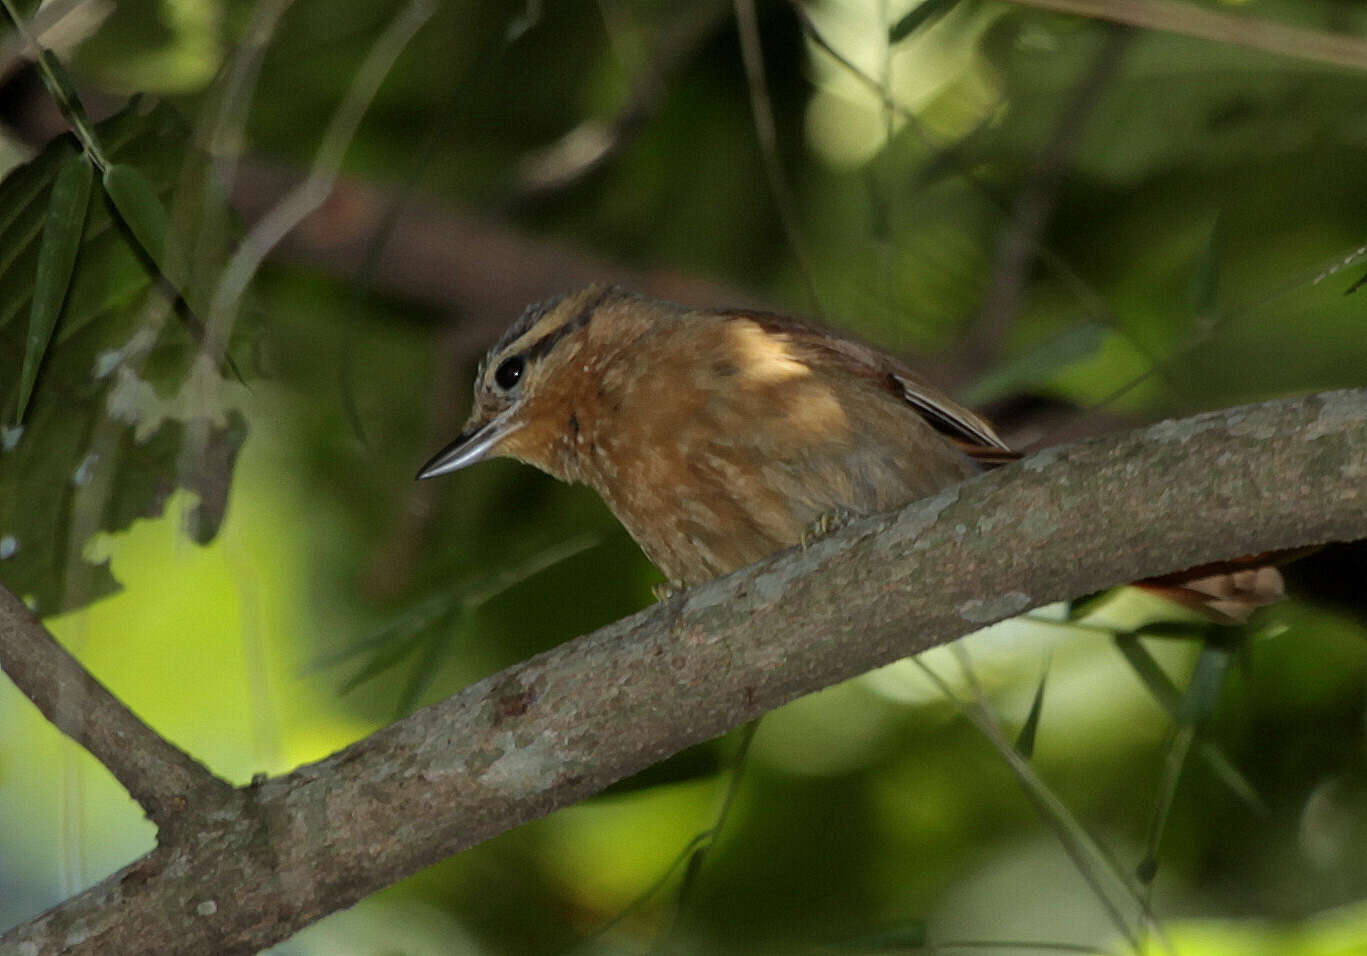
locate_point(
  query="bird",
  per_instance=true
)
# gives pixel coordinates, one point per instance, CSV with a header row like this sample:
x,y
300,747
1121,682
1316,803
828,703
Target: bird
x,y
720,437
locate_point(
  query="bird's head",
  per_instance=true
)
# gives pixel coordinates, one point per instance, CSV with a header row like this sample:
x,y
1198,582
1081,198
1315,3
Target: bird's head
x,y
520,401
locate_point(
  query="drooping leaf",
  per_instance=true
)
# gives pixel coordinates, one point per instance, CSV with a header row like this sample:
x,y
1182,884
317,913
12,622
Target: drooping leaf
x,y
1198,703
1025,740
436,645
124,411
138,207
66,211
910,935
1174,702
1207,681
1205,282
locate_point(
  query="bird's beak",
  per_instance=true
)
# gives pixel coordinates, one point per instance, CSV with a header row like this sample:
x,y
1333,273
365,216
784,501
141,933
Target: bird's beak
x,y
471,447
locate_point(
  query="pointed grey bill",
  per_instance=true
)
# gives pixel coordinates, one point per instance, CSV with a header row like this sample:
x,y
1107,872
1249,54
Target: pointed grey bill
x,y
468,449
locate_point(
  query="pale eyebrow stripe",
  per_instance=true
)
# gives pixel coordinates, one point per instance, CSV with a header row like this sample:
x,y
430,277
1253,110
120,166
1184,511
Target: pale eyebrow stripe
x,y
549,341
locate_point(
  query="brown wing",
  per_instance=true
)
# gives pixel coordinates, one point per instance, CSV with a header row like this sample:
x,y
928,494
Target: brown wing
x,y
969,432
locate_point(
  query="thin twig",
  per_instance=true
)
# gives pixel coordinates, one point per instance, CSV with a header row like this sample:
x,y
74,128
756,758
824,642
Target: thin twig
x,y
698,857
594,142
1336,264
1034,204
230,110
1085,851
752,55
311,193
1092,302
60,90
60,24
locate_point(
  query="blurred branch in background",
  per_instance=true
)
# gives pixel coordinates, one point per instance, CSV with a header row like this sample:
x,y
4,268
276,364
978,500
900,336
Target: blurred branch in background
x,y
552,730
1187,19
313,191
57,26
477,268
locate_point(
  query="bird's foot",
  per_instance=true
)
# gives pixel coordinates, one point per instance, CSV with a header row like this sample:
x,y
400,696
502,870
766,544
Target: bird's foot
x,y
664,591
825,524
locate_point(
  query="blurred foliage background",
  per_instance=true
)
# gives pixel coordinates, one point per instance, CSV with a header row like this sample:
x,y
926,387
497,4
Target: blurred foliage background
x,y
1078,225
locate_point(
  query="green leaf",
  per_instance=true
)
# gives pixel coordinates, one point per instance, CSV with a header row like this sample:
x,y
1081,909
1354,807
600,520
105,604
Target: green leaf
x,y
386,658
1025,740
436,644
116,423
917,17
1174,702
1198,703
139,208
1207,681
1173,763
912,934
402,627
1039,365
1205,282
66,210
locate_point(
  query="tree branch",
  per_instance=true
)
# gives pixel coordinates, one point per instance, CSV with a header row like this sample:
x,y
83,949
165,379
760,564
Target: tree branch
x,y
163,779
563,725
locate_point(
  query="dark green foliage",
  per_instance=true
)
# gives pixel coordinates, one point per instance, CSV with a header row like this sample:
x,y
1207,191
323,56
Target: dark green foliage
x,y
108,432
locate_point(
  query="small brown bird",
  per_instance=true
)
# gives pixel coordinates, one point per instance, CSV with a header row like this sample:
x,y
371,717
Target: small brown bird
x,y
716,437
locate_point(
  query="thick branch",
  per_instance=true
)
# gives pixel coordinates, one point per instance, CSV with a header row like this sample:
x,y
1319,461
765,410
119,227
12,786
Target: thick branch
x,y
567,723
163,779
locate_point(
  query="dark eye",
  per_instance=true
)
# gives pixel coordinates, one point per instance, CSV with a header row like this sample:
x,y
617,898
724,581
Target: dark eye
x,y
509,372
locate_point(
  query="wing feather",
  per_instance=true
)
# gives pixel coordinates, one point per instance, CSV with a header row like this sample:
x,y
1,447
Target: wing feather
x,y
969,432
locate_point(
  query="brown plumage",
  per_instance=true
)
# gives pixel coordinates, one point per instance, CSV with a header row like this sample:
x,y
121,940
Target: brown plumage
x,y
716,438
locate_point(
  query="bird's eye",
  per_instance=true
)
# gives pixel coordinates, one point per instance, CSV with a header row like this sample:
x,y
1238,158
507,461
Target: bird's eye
x,y
509,372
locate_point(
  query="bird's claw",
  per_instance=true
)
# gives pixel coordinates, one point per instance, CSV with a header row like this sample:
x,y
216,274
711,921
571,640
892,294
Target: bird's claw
x,y
825,524
664,591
